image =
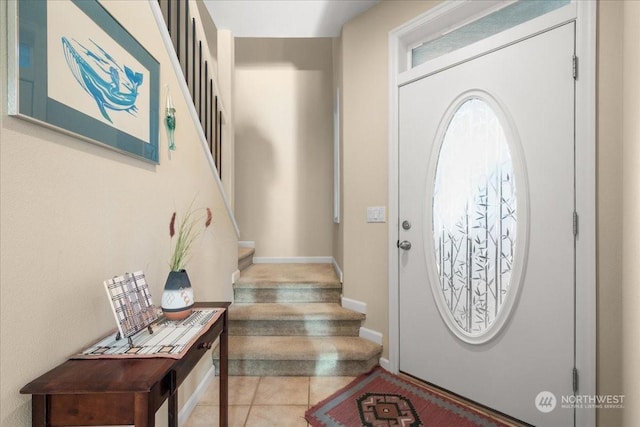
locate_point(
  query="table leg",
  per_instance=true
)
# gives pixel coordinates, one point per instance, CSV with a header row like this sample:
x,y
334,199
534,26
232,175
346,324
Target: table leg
x,y
173,405
39,410
224,373
143,416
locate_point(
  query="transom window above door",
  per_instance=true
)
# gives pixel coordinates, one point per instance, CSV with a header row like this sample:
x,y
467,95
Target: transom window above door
x,y
501,18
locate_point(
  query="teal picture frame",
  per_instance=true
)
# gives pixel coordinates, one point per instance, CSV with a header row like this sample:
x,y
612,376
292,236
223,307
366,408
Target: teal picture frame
x,y
95,82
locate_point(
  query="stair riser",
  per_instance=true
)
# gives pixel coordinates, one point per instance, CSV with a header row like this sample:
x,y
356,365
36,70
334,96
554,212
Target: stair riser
x,y
293,327
245,262
286,295
300,367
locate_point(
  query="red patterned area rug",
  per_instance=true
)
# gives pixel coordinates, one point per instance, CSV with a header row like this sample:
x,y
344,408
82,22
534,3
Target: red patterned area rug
x,y
381,399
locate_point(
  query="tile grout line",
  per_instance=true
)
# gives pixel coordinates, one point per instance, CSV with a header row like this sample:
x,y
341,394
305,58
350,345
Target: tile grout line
x,y
253,403
308,400
253,400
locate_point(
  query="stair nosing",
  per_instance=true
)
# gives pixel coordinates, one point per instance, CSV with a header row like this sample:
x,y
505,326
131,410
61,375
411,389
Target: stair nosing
x,y
245,284
290,273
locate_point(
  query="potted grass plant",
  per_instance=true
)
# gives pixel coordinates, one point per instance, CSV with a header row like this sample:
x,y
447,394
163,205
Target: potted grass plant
x,y
177,298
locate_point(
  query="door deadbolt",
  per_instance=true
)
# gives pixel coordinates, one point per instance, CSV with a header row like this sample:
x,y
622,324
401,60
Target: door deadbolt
x,y
406,225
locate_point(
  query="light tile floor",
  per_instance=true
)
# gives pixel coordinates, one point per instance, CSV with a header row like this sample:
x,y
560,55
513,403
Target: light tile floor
x,y
265,401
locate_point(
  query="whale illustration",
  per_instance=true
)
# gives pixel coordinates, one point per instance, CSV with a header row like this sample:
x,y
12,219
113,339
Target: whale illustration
x,y
101,77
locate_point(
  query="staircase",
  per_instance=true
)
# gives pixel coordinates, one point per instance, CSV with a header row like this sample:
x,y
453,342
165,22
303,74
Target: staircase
x,y
287,320
245,257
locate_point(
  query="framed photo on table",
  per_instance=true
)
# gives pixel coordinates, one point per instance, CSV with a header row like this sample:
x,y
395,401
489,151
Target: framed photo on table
x,y
74,68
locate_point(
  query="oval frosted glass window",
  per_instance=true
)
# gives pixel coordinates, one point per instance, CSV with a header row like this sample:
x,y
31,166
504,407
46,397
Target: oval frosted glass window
x,y
474,218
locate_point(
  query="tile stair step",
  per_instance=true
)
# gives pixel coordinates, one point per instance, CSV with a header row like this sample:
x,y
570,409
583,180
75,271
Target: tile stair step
x,y
310,319
300,356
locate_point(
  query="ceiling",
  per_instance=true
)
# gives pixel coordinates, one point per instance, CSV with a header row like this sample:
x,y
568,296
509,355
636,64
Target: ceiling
x,y
285,18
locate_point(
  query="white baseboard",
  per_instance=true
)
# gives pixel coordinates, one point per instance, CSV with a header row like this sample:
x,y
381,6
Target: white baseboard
x,y
191,403
235,276
351,304
384,363
247,244
338,271
371,335
293,260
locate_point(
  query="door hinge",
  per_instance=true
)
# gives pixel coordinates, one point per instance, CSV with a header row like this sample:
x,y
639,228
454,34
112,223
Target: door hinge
x,y
575,224
575,380
575,67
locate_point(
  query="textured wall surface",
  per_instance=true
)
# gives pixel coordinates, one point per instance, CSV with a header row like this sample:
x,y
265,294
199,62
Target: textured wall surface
x,y
74,214
284,145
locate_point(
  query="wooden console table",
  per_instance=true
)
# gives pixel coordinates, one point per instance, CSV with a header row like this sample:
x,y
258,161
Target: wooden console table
x,y
123,391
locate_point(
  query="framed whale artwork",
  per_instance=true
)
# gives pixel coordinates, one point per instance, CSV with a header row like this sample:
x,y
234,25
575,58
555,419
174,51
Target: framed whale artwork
x,y
74,68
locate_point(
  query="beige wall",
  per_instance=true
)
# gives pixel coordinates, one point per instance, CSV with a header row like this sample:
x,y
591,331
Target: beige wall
x,y
338,234
365,154
226,77
609,188
284,145
631,214
74,214
218,44
207,28
618,209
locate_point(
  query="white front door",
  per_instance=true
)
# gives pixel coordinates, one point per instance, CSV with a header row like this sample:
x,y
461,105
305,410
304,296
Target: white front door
x,y
486,192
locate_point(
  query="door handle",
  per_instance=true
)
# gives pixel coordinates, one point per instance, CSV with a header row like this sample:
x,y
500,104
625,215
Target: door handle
x,y
405,244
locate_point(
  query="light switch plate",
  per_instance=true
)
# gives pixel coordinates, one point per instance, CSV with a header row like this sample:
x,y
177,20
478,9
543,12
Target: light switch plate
x,y
376,214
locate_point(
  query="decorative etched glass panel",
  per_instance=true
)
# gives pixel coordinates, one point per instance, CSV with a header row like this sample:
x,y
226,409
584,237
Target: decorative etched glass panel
x,y
474,217
487,26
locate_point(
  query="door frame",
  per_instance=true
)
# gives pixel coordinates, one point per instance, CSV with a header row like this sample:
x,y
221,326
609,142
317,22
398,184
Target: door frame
x,y
451,14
